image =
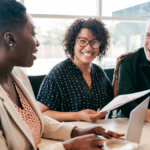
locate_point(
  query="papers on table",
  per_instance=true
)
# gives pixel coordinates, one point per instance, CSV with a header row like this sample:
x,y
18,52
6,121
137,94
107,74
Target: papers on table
x,y
123,99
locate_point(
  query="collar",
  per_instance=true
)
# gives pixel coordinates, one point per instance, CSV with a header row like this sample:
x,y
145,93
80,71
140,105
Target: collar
x,y
76,69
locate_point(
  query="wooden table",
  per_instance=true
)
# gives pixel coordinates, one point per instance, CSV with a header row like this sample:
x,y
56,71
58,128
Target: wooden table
x,y
117,125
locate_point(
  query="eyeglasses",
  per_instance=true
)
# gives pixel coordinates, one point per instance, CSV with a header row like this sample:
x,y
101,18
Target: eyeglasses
x,y
84,42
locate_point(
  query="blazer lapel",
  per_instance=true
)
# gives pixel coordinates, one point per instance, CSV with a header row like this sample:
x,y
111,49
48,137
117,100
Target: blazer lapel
x,y
15,116
23,85
14,113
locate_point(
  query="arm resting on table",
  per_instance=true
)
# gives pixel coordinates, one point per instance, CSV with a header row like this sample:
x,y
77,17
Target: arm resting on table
x,y
56,130
86,115
62,116
58,115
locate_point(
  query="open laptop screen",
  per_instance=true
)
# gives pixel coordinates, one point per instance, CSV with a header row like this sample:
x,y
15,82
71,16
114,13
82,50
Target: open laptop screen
x,y
136,122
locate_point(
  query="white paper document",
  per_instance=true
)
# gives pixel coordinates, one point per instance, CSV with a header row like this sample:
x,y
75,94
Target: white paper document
x,y
123,99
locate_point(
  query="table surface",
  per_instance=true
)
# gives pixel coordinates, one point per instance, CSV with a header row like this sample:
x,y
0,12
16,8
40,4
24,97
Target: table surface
x,y
118,125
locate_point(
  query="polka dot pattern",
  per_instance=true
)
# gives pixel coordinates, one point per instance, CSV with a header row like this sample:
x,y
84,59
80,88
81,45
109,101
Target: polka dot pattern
x,y
65,89
28,115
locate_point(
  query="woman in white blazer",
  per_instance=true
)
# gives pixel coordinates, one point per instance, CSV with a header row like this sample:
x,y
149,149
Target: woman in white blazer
x,y
17,48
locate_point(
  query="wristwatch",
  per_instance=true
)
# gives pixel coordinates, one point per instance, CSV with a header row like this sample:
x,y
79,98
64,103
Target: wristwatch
x,y
115,77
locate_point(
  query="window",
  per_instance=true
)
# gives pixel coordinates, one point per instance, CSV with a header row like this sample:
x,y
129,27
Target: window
x,y
126,8
125,20
50,52
125,37
62,7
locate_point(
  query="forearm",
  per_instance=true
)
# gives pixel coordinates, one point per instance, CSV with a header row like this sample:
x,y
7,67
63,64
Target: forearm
x,y
55,146
115,84
115,87
62,116
56,130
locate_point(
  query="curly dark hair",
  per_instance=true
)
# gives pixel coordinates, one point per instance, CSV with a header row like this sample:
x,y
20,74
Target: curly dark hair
x,y
12,16
98,29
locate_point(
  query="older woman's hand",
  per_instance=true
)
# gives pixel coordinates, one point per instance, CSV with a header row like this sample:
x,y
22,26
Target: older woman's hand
x,y
90,115
98,130
116,71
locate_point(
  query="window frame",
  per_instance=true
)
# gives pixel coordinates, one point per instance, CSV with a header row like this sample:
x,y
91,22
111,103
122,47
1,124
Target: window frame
x,y
99,15
99,12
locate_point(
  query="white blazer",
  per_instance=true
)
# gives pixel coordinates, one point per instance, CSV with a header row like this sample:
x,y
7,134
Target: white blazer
x,y
14,133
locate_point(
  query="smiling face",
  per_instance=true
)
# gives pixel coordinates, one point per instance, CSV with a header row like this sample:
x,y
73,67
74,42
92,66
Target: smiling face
x,y
87,54
26,45
147,41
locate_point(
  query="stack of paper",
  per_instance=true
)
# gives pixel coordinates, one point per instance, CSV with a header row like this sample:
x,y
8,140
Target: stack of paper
x,y
123,99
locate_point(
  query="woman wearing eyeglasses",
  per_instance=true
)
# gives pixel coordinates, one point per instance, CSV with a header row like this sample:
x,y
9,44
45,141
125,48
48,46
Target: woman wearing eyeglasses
x,y
75,88
21,123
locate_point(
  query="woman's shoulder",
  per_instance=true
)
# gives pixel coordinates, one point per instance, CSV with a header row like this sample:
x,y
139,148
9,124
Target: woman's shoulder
x,y
97,68
99,71
133,58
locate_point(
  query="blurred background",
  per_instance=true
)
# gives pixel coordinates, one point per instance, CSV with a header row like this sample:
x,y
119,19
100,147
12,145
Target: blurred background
x,y
125,20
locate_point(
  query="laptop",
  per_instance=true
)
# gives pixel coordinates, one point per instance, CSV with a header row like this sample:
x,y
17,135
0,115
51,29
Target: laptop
x,y
136,122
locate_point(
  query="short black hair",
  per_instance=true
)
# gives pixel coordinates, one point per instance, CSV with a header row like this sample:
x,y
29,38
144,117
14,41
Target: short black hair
x,y
12,16
98,29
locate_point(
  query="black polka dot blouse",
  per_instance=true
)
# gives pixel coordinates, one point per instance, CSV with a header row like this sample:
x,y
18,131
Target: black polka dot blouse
x,y
65,89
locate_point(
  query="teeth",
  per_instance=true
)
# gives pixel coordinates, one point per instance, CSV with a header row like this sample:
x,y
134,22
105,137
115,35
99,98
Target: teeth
x,y
87,54
34,54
